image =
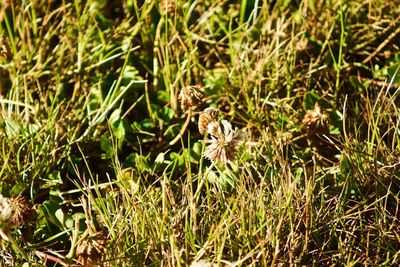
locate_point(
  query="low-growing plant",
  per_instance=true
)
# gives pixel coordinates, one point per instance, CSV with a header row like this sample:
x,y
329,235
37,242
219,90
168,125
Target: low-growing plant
x,y
199,133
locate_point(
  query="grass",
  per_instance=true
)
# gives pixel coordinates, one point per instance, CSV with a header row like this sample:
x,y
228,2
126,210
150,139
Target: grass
x,y
89,105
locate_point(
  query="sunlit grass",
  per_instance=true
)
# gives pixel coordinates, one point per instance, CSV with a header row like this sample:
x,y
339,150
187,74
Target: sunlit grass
x,y
112,166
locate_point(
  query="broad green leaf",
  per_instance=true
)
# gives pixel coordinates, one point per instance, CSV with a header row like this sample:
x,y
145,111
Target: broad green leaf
x,y
310,99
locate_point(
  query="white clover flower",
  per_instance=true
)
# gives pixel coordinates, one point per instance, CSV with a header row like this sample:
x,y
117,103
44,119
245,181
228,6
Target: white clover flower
x,y
5,210
5,217
223,143
201,263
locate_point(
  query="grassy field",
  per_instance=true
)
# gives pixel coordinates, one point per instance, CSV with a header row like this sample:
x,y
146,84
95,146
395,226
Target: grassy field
x,y
297,161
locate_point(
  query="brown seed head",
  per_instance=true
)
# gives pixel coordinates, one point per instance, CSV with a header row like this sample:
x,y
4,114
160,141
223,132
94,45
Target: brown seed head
x,y
4,48
21,210
168,6
191,97
91,250
316,120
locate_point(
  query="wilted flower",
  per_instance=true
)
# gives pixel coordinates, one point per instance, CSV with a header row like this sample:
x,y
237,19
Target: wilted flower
x,y
316,120
91,249
6,258
4,48
21,210
191,97
223,143
168,6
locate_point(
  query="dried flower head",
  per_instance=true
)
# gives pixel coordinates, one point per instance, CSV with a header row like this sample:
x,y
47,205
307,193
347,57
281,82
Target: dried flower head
x,y
191,97
4,48
21,210
316,120
6,259
168,6
91,249
206,117
223,143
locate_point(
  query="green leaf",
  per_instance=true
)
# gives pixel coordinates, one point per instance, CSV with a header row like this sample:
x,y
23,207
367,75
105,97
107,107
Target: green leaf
x,y
48,210
334,130
18,188
195,152
118,125
179,159
143,125
160,158
132,74
120,129
138,162
165,114
394,72
211,176
115,116
79,216
224,179
310,99
12,127
59,214
107,147
215,81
